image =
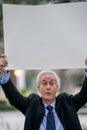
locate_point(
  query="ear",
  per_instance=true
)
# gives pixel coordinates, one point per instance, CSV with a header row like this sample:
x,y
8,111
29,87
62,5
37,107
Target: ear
x,y
38,87
57,88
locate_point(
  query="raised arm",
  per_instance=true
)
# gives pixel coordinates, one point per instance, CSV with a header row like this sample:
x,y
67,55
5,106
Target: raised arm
x,y
81,98
12,94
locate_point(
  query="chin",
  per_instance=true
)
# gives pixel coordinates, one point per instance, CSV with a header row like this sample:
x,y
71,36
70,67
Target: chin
x,y
48,99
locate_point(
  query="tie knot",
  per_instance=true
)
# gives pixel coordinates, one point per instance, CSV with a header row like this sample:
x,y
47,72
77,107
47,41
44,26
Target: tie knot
x,y
49,107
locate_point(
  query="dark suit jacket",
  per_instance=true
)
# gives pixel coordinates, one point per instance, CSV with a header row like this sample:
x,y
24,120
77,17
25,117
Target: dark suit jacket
x,y
33,109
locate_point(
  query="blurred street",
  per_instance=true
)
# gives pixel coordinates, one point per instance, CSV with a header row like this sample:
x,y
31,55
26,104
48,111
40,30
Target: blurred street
x,y
14,120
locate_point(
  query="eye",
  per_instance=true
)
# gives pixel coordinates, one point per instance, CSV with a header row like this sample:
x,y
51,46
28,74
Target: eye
x,y
44,83
52,83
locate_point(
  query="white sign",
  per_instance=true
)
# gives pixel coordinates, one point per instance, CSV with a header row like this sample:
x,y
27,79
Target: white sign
x,y
52,36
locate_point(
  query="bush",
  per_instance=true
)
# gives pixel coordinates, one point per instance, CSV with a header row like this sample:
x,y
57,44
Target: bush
x,y
4,106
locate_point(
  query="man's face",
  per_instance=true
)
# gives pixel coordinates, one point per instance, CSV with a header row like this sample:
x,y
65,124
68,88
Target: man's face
x,y
48,87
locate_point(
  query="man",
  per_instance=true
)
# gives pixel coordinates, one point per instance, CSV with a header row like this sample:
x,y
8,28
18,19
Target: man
x,y
48,112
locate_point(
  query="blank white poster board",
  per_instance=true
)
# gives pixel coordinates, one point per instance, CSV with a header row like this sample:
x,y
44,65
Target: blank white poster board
x,y
52,36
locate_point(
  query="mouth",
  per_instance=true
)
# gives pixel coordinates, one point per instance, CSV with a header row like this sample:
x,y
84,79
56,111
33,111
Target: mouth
x,y
48,93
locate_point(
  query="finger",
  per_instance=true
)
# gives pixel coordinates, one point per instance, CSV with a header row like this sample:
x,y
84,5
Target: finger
x,y
3,63
86,61
3,56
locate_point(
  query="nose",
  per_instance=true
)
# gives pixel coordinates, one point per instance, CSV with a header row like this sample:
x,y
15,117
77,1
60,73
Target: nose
x,y
48,85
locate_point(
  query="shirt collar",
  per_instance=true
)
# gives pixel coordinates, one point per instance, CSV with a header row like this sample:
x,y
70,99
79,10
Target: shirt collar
x,y
52,104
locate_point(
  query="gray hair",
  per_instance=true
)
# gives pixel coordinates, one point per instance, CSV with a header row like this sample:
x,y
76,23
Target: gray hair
x,y
47,72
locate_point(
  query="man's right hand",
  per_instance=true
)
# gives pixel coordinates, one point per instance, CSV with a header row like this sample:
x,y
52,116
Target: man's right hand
x,y
3,63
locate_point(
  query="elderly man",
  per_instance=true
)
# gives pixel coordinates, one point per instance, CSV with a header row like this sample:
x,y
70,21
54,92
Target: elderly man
x,y
48,111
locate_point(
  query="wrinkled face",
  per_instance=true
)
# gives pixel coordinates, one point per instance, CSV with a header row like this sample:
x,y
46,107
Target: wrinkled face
x,y
48,87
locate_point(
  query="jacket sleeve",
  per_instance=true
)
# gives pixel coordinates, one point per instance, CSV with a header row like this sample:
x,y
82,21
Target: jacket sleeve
x,y
80,98
14,97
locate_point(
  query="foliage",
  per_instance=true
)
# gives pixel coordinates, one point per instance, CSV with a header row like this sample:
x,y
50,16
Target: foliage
x,y
24,91
4,105
79,83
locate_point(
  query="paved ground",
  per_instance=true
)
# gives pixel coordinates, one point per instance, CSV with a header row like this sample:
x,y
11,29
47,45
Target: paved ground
x,y
15,120
11,120
83,121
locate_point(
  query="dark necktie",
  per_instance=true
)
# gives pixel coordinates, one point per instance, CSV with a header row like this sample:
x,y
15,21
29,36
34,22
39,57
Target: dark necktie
x,y
50,119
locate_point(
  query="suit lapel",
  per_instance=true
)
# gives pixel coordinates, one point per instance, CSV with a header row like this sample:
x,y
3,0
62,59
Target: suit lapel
x,y
40,114
60,112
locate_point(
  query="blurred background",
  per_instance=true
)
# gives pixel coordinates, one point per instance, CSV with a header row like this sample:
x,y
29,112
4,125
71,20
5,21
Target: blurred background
x,y
25,80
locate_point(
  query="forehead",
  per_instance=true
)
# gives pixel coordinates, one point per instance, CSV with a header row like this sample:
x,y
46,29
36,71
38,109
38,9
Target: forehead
x,y
47,77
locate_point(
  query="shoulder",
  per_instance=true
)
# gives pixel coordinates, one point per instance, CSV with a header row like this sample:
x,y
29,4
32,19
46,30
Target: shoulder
x,y
64,97
33,97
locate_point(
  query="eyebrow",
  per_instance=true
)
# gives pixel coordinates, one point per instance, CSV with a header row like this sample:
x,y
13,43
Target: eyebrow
x,y
50,80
